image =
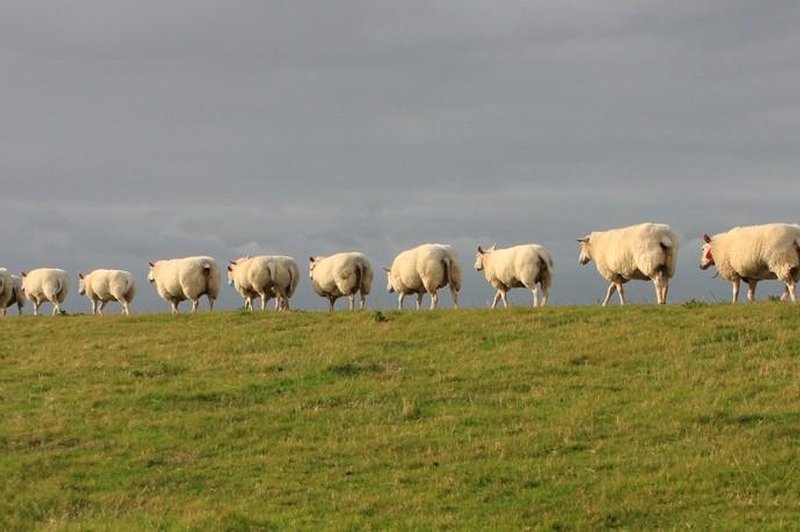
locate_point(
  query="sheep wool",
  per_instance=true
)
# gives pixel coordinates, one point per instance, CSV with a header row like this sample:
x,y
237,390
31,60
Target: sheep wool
x,y
755,253
525,266
425,269
185,278
646,251
101,286
342,274
45,285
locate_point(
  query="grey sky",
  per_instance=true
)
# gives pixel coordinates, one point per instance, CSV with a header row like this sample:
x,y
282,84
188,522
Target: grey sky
x,y
133,131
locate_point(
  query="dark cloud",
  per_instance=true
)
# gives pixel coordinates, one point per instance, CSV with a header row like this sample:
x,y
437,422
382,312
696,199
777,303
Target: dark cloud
x,y
132,132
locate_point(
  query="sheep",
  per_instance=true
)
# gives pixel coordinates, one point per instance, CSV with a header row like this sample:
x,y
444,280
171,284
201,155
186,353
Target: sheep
x,y
101,286
645,251
45,284
342,274
755,253
10,292
189,278
528,265
425,269
264,277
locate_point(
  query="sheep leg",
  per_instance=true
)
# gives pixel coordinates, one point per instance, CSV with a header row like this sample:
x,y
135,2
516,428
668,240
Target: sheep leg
x,y
610,291
504,299
791,287
621,294
195,305
434,299
454,294
352,298
496,298
751,290
331,299
126,309
535,292
56,309
363,303
657,284
544,296
665,290
36,304
101,307
400,298
94,307
419,300
2,310
735,290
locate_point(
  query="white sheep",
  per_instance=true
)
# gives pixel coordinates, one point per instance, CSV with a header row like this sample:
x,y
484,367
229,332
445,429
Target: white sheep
x,y
45,284
189,278
525,266
755,253
342,274
10,292
101,286
264,277
643,252
425,269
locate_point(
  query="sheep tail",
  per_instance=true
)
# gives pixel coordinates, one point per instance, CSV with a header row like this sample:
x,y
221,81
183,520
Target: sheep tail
x,y
545,272
448,272
668,247
359,277
130,289
207,277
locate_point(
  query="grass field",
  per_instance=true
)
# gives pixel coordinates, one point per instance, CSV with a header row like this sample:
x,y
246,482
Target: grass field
x,y
572,417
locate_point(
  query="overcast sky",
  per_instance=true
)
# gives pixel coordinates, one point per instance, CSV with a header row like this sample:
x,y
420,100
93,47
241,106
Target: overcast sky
x,y
132,131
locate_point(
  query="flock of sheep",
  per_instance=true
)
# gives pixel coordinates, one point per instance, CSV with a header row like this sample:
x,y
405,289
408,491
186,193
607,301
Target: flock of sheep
x,y
645,251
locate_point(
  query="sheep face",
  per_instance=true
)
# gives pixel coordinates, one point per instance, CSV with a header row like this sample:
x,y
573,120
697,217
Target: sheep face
x,y
231,269
480,254
389,285
706,257
312,263
151,274
585,255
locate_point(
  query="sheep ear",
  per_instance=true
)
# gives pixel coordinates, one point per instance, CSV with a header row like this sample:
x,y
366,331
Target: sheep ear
x,y
706,238
23,274
387,270
480,250
80,276
151,264
583,240
230,269
233,262
311,259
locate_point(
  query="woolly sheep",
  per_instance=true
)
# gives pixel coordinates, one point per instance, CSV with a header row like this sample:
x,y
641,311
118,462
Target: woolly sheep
x,y
10,292
643,252
45,284
755,253
342,274
101,286
264,277
189,278
425,269
525,266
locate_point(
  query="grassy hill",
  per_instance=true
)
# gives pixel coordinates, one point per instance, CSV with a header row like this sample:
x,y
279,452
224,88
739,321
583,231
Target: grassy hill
x,y
638,417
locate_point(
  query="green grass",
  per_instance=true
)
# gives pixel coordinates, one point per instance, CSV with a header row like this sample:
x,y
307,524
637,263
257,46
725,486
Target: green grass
x,y
638,418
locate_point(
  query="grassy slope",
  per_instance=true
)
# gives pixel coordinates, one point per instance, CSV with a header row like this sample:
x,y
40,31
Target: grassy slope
x,y
639,417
